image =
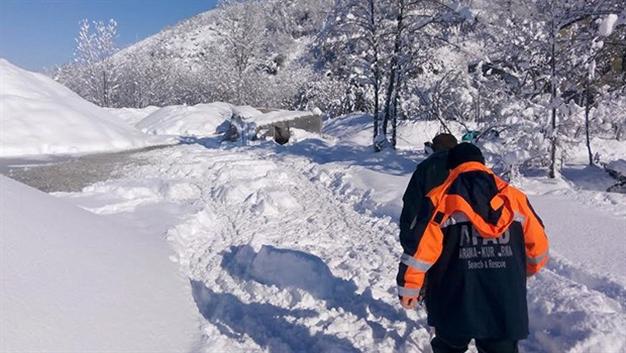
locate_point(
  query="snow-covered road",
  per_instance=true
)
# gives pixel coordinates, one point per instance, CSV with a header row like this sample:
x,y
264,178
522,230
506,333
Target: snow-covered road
x,y
289,253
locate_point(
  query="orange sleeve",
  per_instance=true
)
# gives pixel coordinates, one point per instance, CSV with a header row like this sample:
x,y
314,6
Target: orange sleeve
x,y
535,239
428,251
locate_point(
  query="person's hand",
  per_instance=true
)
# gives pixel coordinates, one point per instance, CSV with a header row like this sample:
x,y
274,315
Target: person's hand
x,y
409,302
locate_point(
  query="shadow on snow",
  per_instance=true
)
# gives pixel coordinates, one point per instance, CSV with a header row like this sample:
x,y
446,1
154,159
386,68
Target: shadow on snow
x,y
268,325
388,161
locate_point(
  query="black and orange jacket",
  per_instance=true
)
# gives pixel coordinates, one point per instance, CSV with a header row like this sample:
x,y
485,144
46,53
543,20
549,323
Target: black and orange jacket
x,y
474,244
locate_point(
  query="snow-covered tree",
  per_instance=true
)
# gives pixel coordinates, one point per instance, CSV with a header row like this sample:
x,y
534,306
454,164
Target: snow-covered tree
x,y
95,44
353,45
240,48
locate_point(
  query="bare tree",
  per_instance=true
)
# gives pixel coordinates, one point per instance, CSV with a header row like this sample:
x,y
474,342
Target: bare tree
x,y
95,45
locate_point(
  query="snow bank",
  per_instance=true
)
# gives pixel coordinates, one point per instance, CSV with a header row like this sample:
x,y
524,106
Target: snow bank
x,y
182,120
358,129
246,111
277,116
353,128
132,116
607,25
41,116
77,282
413,134
607,150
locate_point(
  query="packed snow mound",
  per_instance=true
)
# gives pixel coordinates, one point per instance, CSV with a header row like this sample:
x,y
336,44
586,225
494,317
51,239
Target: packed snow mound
x,y
607,25
358,129
607,150
182,120
73,281
41,116
413,133
277,116
246,111
132,116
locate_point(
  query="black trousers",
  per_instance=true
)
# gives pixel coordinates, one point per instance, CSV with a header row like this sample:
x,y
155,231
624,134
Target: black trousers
x,y
459,345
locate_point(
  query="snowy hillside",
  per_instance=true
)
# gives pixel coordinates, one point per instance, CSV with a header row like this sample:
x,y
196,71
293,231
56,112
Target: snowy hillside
x,y
197,56
40,116
184,41
294,248
77,282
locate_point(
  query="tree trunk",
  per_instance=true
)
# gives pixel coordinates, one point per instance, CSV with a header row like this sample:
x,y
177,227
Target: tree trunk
x,y
394,122
390,89
376,120
376,76
478,104
104,89
587,110
393,72
553,145
553,137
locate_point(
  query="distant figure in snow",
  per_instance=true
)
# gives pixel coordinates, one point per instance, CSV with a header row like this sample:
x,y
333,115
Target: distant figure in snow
x,y
474,242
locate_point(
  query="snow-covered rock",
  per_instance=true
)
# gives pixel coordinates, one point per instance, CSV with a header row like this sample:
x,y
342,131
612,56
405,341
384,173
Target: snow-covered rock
x,y
182,120
73,281
41,116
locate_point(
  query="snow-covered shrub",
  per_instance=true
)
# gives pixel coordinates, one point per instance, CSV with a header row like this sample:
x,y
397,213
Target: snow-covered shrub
x,y
518,141
609,117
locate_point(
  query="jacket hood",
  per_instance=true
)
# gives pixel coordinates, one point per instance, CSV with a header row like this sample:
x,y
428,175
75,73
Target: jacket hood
x,y
472,192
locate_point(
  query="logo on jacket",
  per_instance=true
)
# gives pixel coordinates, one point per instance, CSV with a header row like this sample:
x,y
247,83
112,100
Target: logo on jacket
x,y
483,252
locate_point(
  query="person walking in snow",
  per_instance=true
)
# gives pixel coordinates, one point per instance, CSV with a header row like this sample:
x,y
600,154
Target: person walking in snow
x,y
475,241
429,173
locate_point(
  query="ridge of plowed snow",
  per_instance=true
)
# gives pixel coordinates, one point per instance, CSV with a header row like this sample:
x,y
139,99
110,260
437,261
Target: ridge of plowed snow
x,y
73,281
41,116
182,120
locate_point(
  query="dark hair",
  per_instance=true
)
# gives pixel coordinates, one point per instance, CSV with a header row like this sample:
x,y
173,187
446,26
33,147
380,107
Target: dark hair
x,y
464,152
444,142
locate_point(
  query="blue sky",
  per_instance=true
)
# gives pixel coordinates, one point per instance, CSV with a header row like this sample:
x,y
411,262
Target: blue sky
x,y
35,34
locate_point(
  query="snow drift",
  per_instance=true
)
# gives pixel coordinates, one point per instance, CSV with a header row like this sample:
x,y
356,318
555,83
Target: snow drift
x,y
132,116
182,120
74,282
41,116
